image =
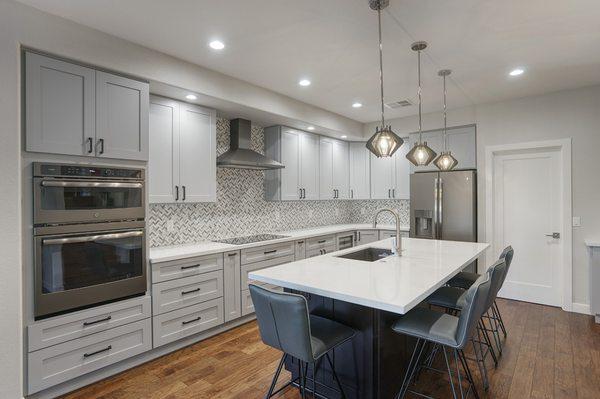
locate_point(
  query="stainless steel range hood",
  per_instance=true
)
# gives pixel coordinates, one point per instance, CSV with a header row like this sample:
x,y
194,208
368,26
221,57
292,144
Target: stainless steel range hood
x,y
239,155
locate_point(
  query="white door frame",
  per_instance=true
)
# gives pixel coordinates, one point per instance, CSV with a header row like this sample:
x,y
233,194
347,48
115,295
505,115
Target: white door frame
x,y
564,147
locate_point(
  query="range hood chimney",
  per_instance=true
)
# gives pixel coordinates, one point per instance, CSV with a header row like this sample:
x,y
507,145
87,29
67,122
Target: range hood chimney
x,y
239,155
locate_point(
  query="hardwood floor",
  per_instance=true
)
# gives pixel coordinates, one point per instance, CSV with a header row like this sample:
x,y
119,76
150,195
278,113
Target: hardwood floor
x,y
548,354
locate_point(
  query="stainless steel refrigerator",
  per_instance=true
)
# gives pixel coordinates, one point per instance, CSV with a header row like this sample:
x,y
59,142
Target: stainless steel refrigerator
x,y
443,206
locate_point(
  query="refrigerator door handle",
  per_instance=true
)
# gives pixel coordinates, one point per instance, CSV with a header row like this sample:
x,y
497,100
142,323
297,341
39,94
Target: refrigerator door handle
x,y
440,207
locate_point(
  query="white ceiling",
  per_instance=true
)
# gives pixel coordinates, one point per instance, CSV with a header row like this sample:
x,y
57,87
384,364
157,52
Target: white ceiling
x,y
274,43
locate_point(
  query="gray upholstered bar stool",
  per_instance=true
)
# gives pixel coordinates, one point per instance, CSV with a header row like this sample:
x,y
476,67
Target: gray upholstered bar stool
x,y
285,324
453,299
444,331
465,279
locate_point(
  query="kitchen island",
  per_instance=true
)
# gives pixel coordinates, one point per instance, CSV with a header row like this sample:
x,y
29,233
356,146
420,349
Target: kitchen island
x,y
370,296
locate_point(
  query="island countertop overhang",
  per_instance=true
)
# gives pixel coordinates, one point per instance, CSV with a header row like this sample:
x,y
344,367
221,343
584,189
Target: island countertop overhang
x,y
395,284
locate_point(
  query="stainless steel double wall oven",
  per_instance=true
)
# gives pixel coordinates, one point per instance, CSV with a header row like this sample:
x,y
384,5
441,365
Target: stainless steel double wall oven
x,y
89,236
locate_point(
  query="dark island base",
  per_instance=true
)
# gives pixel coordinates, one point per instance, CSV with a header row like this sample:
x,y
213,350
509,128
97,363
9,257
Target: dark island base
x,y
369,366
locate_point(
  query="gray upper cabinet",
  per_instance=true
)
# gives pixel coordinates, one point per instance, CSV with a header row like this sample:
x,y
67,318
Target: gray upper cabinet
x,y
360,171
299,152
121,117
76,110
461,141
182,161
59,106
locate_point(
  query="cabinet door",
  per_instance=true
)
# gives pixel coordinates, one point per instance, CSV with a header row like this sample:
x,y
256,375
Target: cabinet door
x,y
382,177
326,185
232,285
401,188
461,141
360,171
197,154
341,164
309,165
290,157
59,106
163,160
121,117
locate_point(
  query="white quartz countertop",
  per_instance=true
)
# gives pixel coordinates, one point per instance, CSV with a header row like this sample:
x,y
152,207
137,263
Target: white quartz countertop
x,y
396,283
173,252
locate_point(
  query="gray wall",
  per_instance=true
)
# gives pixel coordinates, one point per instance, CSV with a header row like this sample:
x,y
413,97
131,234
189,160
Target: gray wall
x,y
242,210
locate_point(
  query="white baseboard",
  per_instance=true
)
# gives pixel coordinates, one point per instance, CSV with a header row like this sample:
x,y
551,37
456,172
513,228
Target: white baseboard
x,y
583,308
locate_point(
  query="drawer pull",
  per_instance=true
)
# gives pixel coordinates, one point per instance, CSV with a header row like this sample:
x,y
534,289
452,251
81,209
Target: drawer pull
x,y
322,241
190,291
189,267
89,323
270,252
191,321
232,254
109,347
300,242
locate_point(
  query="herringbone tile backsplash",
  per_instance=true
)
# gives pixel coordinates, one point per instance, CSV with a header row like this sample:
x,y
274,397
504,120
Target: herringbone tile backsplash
x,y
241,208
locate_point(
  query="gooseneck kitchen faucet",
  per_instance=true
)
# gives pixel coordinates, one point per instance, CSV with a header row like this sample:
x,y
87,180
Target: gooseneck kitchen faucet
x,y
398,246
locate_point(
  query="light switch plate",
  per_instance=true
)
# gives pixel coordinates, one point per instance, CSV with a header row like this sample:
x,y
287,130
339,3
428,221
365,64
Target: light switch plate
x,y
576,221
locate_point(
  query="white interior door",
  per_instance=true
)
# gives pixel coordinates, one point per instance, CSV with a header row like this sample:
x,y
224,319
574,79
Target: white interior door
x,y
527,208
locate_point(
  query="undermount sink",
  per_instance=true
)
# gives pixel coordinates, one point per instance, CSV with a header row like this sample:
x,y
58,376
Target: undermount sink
x,y
368,254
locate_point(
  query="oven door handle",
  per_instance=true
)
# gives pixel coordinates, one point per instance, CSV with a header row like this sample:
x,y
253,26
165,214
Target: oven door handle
x,y
59,183
99,237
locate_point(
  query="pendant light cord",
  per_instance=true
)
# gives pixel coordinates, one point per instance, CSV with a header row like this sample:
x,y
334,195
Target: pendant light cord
x,y
445,123
419,94
381,68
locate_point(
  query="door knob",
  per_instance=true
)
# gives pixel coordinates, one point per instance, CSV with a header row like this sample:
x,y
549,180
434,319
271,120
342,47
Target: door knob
x,y
553,235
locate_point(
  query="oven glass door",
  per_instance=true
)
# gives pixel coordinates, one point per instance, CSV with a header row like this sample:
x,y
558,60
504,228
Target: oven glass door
x,y
64,201
74,262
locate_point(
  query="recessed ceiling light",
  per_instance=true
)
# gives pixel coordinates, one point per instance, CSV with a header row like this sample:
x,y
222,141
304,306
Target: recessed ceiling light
x,y
344,136
516,72
304,82
356,105
217,45
191,97
310,128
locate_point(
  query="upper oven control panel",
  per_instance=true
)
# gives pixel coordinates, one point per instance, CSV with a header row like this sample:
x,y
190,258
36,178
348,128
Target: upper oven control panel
x,y
85,171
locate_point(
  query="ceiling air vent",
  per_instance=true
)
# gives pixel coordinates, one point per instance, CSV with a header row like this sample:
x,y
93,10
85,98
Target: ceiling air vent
x,y
399,104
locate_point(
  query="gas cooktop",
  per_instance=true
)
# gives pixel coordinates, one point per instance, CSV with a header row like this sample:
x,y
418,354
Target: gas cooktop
x,y
250,239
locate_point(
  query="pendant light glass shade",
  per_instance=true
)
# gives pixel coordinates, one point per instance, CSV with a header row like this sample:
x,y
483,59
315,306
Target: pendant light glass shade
x,y
421,154
445,161
384,142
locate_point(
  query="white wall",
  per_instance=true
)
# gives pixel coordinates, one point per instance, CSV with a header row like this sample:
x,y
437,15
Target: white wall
x,y
568,114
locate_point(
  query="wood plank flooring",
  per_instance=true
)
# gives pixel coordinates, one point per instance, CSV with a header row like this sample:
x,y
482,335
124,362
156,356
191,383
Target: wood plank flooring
x,y
548,354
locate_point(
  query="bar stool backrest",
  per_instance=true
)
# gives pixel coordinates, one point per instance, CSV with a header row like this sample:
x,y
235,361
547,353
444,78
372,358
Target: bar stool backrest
x,y
497,273
283,321
507,254
475,301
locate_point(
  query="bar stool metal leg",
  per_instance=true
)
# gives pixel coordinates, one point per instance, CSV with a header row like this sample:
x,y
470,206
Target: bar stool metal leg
x,y
276,376
335,376
497,312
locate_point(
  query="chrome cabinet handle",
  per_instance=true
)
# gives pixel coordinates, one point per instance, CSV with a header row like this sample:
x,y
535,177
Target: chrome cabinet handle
x,y
99,237
183,198
190,291
109,347
90,323
191,321
553,235
176,193
100,143
90,145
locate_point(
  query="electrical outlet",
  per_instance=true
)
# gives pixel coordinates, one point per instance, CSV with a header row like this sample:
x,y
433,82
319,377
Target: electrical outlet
x,y
170,225
576,221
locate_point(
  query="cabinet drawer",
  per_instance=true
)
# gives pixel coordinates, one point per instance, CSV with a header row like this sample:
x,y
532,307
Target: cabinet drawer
x,y
169,327
252,255
85,322
320,251
320,242
247,306
171,270
176,294
59,363
262,265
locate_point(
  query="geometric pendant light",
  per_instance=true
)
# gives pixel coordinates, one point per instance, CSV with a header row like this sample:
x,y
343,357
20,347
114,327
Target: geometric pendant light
x,y
421,154
384,142
445,161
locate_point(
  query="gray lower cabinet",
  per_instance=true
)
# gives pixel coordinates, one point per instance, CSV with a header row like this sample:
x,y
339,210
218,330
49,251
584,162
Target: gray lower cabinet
x,y
179,268
181,323
232,285
300,248
247,305
71,359
174,294
56,330
245,269
321,245
266,252
366,236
